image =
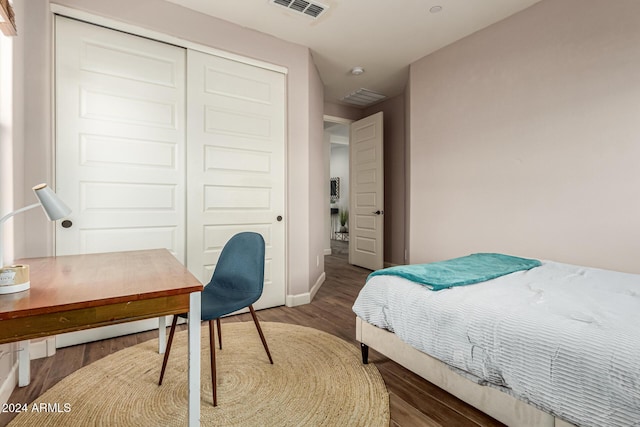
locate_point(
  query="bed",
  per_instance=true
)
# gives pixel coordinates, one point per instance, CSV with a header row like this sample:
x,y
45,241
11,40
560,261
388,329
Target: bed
x,y
551,345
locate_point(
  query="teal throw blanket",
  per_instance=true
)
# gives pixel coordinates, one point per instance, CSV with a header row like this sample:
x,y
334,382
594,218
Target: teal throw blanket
x,y
460,271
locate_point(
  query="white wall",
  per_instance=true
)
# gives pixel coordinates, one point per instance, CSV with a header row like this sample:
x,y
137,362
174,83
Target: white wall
x,y
524,138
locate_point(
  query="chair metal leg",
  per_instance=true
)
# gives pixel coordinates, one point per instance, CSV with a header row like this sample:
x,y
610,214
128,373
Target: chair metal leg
x,y
168,350
219,333
264,342
212,346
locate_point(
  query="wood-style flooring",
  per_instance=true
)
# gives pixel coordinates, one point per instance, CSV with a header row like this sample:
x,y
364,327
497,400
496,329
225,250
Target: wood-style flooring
x,y
414,402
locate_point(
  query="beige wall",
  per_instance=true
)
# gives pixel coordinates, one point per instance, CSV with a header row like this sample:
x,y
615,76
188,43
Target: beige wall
x,y
173,20
524,138
394,176
35,100
342,111
316,174
12,170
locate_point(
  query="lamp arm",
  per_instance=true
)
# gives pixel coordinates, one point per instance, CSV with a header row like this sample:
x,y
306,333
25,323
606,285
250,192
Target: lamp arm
x,y
3,220
10,214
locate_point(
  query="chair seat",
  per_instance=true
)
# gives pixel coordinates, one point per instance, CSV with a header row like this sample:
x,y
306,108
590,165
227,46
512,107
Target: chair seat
x,y
218,301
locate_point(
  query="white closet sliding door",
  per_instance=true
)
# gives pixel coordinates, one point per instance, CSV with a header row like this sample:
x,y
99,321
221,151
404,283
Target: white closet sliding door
x,y
160,147
235,159
120,148
120,141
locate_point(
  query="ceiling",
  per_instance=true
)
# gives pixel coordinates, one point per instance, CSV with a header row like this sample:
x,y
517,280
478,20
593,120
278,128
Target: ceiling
x,y
382,36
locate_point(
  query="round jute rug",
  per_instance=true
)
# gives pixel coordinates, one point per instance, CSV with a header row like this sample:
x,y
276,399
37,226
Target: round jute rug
x,y
316,380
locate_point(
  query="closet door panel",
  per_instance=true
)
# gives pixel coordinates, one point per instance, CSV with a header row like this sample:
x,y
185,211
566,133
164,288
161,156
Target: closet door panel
x,y
120,147
120,140
235,159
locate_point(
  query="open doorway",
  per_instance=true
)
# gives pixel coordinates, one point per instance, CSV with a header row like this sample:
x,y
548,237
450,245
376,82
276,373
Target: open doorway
x,y
354,161
336,139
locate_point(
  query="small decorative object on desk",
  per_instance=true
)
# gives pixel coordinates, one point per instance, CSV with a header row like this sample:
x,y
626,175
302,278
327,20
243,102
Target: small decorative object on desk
x,y
14,278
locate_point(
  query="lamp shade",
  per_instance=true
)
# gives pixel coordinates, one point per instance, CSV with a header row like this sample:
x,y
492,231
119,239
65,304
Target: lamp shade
x,y
52,205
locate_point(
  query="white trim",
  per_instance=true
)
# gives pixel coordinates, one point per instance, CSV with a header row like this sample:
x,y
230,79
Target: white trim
x,y
336,119
299,299
158,36
302,299
42,348
7,387
316,287
327,251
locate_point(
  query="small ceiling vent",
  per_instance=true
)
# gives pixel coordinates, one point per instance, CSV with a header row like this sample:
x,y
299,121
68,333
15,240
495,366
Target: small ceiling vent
x,y
363,97
312,9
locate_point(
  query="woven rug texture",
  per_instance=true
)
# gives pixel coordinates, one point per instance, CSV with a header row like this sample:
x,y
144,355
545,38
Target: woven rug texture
x,y
317,379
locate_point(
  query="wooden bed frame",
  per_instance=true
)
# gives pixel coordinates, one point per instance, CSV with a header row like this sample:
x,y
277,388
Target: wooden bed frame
x,y
499,405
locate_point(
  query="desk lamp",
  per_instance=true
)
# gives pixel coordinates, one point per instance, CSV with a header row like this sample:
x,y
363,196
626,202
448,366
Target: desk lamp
x,y
16,278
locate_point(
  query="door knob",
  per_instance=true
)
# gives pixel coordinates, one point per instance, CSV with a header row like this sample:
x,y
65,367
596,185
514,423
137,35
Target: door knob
x,y
279,218
66,223
378,212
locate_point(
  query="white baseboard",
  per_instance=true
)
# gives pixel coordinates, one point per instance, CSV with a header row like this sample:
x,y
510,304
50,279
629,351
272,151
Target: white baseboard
x,y
301,299
42,348
37,350
327,251
317,285
7,387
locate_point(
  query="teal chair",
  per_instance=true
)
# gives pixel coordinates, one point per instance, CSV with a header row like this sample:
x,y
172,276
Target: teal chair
x,y
236,283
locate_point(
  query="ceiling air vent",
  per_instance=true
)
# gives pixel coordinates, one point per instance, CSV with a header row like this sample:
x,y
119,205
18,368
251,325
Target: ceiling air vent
x,y
312,9
363,97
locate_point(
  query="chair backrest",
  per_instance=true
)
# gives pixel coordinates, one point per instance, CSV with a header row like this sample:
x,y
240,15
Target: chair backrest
x,y
241,264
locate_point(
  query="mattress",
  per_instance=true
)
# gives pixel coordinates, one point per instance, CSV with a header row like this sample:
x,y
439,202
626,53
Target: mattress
x,y
561,337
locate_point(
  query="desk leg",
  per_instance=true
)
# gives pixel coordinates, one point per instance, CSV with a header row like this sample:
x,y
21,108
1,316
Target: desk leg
x,y
162,334
194,359
24,364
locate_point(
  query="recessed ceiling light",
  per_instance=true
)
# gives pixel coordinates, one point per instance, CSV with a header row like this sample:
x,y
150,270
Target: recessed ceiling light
x,y
356,71
435,9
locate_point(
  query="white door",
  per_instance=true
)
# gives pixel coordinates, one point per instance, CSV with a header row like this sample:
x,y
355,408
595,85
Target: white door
x,y
236,163
366,212
120,147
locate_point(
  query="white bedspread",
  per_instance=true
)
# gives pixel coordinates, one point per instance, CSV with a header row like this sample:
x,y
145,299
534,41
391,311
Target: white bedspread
x,y
562,337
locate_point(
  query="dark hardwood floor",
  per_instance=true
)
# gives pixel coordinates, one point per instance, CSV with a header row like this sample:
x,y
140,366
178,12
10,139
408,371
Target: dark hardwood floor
x,y
414,402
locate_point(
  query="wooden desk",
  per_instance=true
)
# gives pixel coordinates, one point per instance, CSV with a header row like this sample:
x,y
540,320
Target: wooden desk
x,y
70,293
